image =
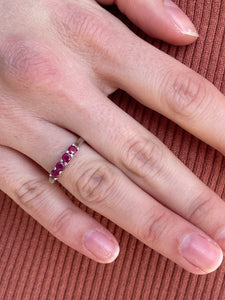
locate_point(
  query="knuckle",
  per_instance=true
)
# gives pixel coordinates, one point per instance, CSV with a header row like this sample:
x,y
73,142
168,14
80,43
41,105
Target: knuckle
x,y
154,228
95,184
83,28
201,206
31,193
88,27
62,222
26,62
187,93
142,157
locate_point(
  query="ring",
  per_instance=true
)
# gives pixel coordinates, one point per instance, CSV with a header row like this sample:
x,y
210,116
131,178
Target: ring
x,y
65,159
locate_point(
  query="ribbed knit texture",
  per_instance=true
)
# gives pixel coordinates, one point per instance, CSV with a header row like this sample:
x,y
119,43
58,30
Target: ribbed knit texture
x,y
35,265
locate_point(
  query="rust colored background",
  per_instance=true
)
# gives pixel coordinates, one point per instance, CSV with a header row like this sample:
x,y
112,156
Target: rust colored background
x,y
35,265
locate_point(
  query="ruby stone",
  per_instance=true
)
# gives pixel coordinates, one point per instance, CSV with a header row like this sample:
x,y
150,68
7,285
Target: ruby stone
x,y
55,173
66,157
59,166
72,149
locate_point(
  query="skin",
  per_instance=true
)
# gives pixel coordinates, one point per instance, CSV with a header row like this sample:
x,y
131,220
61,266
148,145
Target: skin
x,y
59,60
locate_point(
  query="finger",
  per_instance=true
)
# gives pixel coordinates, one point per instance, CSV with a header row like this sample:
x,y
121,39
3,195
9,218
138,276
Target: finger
x,y
161,19
177,92
27,185
107,190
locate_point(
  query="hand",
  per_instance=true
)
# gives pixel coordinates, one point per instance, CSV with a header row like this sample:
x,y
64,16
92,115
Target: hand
x,y
58,63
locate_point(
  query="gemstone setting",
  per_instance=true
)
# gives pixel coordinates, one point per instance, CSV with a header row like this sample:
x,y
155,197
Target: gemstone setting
x,y
72,149
60,166
55,173
65,159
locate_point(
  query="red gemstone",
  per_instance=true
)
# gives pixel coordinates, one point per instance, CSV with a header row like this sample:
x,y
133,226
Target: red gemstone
x,y
66,157
59,166
72,149
55,173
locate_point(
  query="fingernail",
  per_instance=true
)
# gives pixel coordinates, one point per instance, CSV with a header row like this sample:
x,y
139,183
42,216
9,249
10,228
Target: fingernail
x,y
101,246
201,252
181,21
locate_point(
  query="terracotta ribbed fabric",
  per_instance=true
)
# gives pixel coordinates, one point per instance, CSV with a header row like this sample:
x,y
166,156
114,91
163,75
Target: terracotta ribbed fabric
x,y
35,265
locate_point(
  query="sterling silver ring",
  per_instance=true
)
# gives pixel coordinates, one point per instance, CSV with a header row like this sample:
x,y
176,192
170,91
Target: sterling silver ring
x,y
65,159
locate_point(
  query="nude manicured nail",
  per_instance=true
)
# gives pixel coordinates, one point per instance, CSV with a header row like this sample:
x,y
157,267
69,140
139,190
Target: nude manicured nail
x,y
181,21
201,252
101,246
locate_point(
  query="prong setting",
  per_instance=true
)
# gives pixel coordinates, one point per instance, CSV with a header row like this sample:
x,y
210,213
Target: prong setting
x,y
64,161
